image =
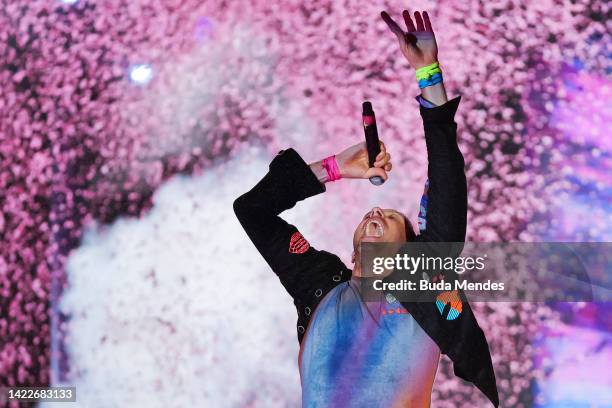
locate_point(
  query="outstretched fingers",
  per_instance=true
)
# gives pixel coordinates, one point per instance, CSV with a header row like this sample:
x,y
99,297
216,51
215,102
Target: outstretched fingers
x,y
419,21
396,29
427,22
408,20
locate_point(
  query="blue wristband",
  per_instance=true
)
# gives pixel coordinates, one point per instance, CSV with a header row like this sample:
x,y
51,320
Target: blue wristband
x,y
432,80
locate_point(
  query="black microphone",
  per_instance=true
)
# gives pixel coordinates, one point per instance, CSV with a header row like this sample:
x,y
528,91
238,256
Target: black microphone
x,y
371,136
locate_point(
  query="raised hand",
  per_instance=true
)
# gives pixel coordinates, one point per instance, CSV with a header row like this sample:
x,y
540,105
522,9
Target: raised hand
x,y
418,44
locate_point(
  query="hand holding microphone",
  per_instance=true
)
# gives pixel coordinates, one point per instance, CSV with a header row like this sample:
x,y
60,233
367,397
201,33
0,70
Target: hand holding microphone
x,y
355,162
365,160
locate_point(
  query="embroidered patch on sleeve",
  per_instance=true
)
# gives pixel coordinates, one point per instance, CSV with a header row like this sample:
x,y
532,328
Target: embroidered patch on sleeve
x,y
453,299
297,244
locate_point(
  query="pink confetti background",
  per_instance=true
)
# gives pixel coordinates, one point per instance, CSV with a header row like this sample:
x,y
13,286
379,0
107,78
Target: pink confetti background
x,y
83,146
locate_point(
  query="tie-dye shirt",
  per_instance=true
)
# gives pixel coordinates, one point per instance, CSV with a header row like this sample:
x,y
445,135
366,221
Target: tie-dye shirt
x,y
358,354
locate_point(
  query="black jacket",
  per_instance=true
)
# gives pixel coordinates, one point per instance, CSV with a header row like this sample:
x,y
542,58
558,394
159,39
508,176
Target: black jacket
x,y
309,274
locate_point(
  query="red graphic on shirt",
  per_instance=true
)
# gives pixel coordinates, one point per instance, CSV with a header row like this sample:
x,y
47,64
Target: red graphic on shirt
x,y
297,244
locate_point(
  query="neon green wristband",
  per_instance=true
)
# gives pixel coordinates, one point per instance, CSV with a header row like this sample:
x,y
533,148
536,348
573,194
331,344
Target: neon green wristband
x,y
427,71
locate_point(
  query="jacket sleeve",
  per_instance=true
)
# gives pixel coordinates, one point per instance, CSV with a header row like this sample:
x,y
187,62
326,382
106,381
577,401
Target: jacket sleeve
x,y
306,273
442,218
446,195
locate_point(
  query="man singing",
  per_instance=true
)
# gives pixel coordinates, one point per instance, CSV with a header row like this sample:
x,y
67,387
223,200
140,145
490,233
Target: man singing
x,y
373,354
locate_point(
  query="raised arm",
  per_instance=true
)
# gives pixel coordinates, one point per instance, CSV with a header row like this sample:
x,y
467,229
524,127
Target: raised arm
x,y
288,253
306,273
459,337
288,181
445,213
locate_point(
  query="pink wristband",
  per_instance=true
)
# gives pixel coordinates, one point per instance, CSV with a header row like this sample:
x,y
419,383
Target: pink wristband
x,y
330,165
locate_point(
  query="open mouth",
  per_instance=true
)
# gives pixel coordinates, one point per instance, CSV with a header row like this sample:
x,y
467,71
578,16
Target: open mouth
x,y
374,228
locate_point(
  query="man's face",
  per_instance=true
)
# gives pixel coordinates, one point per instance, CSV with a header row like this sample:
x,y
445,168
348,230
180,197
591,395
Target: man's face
x,y
380,225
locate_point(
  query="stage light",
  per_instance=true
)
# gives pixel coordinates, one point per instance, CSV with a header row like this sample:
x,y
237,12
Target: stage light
x,y
69,1
141,73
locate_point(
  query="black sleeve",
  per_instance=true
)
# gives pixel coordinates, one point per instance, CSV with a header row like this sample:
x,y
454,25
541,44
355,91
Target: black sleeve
x,y
446,214
306,273
460,337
